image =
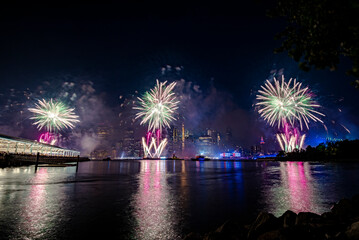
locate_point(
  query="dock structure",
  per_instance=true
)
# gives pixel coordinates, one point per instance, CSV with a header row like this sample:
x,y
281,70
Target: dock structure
x,y
16,151
14,145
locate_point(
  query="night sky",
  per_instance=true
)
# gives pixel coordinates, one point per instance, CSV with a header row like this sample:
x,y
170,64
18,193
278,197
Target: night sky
x,y
123,47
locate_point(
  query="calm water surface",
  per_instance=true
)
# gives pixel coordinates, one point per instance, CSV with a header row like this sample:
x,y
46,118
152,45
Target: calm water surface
x,y
161,199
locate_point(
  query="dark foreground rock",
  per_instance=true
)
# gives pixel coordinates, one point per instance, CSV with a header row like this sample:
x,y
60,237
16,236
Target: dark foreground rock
x,y
341,223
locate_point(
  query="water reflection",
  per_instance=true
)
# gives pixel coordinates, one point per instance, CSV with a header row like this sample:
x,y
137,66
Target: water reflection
x,y
153,203
300,187
34,214
296,189
161,199
37,204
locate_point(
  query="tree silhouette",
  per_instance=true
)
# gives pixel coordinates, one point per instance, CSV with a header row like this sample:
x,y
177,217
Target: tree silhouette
x,y
320,32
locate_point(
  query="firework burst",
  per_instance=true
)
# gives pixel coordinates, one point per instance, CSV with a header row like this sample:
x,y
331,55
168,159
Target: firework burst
x,y
53,116
157,106
283,102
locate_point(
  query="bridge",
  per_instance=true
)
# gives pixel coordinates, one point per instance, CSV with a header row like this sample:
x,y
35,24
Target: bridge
x,y
16,151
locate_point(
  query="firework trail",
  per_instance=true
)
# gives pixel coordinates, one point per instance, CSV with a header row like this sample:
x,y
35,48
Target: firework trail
x,y
346,129
53,116
283,102
156,109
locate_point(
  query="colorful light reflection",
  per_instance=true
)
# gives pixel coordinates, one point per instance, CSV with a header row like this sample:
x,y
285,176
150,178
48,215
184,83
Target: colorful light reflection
x,y
154,205
296,190
35,211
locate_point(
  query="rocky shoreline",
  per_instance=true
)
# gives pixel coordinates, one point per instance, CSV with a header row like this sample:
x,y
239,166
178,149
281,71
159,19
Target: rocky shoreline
x,y
342,222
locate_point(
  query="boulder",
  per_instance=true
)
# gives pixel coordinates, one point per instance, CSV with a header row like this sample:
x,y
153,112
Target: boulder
x,y
272,235
355,199
343,209
214,236
232,229
306,218
192,236
300,232
265,222
328,216
355,204
353,231
288,218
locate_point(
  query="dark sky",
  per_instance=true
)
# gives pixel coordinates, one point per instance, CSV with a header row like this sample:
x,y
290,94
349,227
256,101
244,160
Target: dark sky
x,y
124,43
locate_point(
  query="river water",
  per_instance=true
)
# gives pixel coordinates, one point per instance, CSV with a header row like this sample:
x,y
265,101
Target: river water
x,y
148,199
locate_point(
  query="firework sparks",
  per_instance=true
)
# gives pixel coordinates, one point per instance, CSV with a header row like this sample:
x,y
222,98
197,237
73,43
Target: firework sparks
x,y
158,106
346,129
291,143
157,150
48,138
53,116
283,102
156,109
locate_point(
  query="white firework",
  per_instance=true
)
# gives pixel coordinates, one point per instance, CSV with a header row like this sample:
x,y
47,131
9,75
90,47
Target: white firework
x,y
157,106
283,102
53,115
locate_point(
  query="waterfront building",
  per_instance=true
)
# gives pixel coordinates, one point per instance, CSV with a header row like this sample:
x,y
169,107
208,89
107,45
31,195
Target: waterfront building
x,y
205,145
16,145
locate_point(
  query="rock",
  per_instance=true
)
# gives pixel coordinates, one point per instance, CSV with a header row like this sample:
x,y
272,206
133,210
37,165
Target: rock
x,y
300,232
306,218
272,235
327,216
192,236
232,229
214,236
289,218
331,225
265,222
355,203
340,236
353,231
355,199
343,209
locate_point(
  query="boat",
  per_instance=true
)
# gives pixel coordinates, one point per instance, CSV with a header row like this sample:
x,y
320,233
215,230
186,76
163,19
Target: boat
x,y
200,158
174,157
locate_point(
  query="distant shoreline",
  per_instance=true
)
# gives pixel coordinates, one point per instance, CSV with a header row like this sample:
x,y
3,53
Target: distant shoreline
x,y
239,160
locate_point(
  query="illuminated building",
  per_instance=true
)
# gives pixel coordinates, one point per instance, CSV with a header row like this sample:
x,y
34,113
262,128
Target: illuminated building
x,y
228,135
103,132
205,145
262,141
230,155
174,145
256,150
15,145
100,154
183,137
129,143
174,134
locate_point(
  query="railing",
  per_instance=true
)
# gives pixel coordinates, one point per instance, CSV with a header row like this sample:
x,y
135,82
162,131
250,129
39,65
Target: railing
x,y
12,159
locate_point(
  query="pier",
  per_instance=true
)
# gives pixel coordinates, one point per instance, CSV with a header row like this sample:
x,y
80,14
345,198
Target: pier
x,y
16,151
